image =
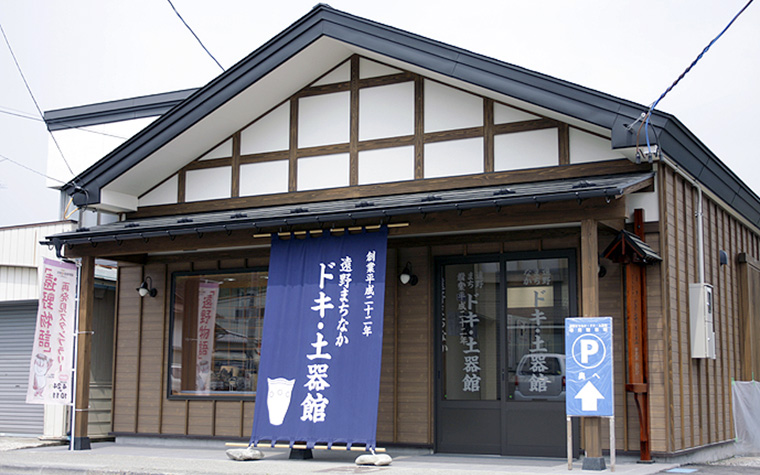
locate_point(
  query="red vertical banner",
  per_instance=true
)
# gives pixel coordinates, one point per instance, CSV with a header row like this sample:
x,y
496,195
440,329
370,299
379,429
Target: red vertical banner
x,y
208,296
52,362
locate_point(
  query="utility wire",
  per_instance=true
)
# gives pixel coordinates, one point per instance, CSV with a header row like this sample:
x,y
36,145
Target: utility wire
x,y
39,111
4,158
80,128
686,71
196,36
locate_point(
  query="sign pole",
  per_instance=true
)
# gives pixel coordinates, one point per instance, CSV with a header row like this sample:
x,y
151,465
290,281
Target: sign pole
x,y
612,444
569,443
75,340
589,376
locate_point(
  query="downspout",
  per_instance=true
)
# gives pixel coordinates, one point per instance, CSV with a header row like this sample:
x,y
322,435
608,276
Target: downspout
x,y
698,215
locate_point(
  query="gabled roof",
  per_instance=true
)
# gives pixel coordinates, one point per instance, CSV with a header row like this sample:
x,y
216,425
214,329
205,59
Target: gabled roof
x,y
325,36
628,247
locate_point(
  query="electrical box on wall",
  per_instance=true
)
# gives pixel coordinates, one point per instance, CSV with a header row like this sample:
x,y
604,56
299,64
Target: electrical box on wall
x,y
701,317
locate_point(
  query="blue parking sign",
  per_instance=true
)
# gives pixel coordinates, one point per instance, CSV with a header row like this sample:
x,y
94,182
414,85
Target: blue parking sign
x,y
589,373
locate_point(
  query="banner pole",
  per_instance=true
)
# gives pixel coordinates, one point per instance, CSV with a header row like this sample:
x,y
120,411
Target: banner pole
x,y
569,443
74,358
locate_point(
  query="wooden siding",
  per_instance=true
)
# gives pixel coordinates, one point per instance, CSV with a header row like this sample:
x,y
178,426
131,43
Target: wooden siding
x,y
693,396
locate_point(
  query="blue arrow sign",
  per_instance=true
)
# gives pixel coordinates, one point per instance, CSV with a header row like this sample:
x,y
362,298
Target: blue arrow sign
x,y
588,374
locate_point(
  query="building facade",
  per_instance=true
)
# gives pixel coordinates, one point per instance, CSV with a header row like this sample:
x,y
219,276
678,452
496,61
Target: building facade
x,y
513,200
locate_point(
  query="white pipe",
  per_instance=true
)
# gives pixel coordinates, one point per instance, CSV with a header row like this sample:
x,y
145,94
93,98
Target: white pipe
x,y
698,215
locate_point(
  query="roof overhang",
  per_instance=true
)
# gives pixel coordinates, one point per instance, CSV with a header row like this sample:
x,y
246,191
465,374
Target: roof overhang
x,y
384,208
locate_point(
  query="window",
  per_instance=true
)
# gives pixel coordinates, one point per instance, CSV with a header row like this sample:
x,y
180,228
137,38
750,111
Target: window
x,y
216,325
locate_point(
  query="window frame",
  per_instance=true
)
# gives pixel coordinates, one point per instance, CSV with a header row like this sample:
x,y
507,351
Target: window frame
x,y
170,339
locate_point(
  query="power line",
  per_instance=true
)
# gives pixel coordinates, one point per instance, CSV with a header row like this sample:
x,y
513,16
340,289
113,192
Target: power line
x,y
39,111
20,114
686,71
4,158
196,36
77,127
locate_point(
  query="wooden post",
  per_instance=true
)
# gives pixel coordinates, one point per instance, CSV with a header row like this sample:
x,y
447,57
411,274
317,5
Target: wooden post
x,y
592,426
84,339
636,331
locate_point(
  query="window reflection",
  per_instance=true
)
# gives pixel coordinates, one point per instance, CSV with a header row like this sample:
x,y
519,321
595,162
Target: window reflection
x,y
217,321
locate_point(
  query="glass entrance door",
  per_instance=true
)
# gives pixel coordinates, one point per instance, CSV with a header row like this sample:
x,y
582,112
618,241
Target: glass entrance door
x,y
500,359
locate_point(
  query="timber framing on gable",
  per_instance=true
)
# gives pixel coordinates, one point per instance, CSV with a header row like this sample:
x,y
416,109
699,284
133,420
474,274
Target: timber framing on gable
x,y
488,131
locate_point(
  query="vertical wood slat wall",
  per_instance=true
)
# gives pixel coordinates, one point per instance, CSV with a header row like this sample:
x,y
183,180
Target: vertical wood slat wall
x,y
140,404
697,405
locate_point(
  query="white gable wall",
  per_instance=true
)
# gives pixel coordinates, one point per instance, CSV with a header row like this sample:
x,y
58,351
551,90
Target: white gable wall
x,y
520,150
268,134
385,112
585,147
264,178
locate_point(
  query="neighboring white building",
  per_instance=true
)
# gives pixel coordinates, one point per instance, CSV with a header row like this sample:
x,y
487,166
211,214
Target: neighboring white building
x,y
85,134
20,256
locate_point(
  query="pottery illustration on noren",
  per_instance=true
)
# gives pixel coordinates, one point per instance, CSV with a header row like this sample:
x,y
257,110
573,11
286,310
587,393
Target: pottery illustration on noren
x,y
278,399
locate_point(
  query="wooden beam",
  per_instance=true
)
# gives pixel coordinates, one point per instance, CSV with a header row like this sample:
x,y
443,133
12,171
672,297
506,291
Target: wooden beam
x,y
354,124
293,146
590,308
419,128
235,191
84,344
583,170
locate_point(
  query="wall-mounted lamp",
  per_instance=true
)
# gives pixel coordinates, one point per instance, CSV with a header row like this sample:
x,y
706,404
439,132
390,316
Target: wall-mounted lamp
x,y
146,288
406,276
723,257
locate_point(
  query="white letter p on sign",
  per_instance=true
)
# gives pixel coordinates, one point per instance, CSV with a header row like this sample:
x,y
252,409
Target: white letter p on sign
x,y
588,347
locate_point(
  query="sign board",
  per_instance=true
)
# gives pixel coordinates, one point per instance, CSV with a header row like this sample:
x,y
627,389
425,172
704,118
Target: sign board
x,y
50,380
319,375
588,372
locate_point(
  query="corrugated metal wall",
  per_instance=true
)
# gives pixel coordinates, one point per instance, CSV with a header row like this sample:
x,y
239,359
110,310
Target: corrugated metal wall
x,y
21,254
17,320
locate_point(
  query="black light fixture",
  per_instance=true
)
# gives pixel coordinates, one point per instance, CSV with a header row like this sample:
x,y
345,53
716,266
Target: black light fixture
x,y
406,276
146,288
723,257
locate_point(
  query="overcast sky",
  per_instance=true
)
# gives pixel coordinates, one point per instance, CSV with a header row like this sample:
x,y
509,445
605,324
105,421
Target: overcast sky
x,y
85,51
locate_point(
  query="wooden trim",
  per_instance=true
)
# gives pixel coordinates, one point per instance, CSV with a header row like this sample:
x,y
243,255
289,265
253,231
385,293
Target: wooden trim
x,y
164,352
525,126
138,364
592,428
235,162
265,157
564,144
211,163
419,128
488,132
361,83
415,186
84,345
180,187
324,89
115,346
292,157
387,80
457,134
395,352
323,150
353,149
390,142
